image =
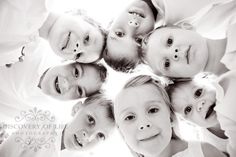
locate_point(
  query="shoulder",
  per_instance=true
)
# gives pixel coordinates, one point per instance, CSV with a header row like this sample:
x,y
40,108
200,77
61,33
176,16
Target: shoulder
x,y
209,150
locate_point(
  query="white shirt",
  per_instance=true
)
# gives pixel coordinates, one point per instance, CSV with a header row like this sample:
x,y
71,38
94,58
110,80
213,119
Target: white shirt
x,y
194,150
225,108
19,25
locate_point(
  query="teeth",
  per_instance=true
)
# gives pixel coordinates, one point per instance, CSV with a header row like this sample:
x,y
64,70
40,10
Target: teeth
x,y
67,41
210,111
57,85
136,14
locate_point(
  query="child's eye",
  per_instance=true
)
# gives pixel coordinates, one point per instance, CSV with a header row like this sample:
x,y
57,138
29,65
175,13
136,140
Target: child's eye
x,y
169,41
129,117
138,40
91,120
80,91
76,72
187,110
166,63
100,136
119,33
198,93
86,39
153,110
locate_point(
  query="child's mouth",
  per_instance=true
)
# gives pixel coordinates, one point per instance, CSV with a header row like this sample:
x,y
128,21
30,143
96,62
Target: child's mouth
x,y
56,83
67,41
210,111
187,54
149,138
136,12
77,141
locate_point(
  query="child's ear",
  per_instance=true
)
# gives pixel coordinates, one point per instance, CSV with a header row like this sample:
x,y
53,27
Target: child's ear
x,y
75,108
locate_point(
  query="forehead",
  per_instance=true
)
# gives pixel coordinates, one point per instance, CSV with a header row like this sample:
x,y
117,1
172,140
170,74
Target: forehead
x,y
137,97
122,47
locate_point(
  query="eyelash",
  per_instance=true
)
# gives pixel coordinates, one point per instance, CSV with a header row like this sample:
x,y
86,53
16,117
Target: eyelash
x,y
86,39
166,63
170,41
119,33
129,117
187,110
76,72
138,40
198,93
91,120
153,110
101,136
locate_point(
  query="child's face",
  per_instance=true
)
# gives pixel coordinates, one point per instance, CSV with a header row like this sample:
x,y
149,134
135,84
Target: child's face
x,y
89,126
195,101
176,52
72,38
71,81
143,119
127,30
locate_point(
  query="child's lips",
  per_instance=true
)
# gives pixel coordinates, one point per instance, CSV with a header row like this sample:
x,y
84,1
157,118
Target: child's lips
x,y
77,141
149,138
66,41
137,12
56,84
187,54
210,111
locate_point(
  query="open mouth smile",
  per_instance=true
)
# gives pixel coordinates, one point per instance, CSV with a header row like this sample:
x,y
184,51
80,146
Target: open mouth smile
x,y
210,111
67,41
56,83
78,141
138,14
149,138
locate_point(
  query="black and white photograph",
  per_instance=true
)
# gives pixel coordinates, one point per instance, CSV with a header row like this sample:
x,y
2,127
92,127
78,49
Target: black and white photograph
x,y
120,78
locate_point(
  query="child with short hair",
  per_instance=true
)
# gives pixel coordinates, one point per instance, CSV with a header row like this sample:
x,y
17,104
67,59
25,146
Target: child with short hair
x,y
138,19
71,36
92,123
210,105
178,51
145,119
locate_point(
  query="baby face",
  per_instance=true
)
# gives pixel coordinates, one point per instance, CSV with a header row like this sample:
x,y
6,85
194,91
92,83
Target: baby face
x,y
72,38
143,119
176,52
90,126
127,30
72,81
195,101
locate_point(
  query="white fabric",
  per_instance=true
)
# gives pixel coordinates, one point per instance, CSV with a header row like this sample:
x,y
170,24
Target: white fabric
x,y
170,12
216,141
226,108
194,150
19,25
18,90
43,139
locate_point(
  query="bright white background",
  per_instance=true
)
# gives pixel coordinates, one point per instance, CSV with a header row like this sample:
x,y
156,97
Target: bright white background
x,y
104,11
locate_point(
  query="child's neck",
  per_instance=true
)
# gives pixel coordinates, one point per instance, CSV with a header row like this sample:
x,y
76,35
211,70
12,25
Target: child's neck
x,y
216,50
216,130
175,146
47,25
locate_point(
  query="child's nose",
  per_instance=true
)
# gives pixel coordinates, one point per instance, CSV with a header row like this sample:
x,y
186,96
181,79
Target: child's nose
x,y
179,53
133,23
200,105
144,126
